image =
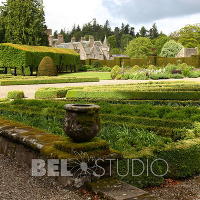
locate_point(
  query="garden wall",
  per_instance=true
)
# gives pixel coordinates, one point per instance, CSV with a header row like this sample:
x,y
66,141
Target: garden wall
x,y
151,60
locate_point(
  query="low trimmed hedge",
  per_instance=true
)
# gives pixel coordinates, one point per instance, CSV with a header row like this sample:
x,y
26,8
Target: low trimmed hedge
x,y
134,95
50,93
53,93
33,81
15,95
148,121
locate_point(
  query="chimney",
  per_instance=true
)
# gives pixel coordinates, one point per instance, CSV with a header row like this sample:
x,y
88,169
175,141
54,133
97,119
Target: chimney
x,y
50,40
60,39
91,40
73,39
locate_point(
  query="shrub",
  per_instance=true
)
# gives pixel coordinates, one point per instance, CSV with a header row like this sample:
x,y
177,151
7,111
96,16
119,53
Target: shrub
x,y
157,76
47,67
135,68
138,76
105,69
194,74
116,72
97,64
15,95
152,67
50,93
84,68
177,76
171,49
170,68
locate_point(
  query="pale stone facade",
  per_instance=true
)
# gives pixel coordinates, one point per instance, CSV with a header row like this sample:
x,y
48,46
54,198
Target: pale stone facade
x,y
90,49
187,52
53,42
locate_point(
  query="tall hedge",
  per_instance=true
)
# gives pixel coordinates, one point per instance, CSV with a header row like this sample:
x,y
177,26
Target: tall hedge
x,y
23,56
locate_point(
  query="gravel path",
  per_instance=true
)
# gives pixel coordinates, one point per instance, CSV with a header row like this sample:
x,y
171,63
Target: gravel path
x,y
184,190
17,184
30,90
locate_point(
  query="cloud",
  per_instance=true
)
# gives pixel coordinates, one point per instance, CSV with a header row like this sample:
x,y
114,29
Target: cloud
x,y
145,11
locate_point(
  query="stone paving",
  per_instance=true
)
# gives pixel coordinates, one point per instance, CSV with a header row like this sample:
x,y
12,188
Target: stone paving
x,y
30,90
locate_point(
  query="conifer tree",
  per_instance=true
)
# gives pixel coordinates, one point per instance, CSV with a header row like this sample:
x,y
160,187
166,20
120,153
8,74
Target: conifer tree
x,y
24,22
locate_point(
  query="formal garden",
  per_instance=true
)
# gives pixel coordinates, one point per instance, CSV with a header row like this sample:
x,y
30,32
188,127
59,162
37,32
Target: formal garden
x,y
144,121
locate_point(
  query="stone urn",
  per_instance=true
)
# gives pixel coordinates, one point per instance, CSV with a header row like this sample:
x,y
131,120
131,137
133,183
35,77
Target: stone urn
x,y
82,122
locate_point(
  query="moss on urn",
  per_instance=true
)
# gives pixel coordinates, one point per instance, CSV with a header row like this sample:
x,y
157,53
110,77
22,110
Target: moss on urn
x,y
82,122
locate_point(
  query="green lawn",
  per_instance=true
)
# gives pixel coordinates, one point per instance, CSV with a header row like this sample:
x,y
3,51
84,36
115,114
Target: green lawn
x,y
100,75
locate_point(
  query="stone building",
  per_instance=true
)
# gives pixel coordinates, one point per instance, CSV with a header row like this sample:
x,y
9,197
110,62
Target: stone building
x,y
90,49
187,52
53,42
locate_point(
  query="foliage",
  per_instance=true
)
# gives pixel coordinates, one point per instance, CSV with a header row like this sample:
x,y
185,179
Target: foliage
x,y
139,48
51,93
171,49
115,51
15,95
24,22
112,41
189,36
125,39
14,55
47,67
116,72
159,43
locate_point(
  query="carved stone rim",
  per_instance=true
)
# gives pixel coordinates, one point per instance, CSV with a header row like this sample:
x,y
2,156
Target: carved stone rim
x,y
81,107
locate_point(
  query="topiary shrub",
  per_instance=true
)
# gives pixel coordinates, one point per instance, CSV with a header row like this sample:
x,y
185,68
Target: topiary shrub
x,y
15,95
116,72
47,67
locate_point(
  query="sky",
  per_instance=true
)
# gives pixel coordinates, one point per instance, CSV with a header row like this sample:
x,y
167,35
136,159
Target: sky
x,y
169,15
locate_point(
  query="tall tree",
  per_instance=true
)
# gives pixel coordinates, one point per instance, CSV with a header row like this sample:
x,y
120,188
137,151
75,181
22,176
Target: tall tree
x,y
125,39
140,47
2,27
143,32
24,22
189,36
112,41
153,32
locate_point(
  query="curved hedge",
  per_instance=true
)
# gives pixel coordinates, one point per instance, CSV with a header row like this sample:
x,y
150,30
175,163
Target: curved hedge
x,y
24,56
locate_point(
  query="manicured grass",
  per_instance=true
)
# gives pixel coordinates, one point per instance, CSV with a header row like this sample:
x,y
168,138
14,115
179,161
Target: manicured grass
x,y
100,75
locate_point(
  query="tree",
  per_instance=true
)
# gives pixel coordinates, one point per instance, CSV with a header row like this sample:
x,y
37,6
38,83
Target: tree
x,y
115,51
171,49
153,32
189,36
125,39
139,47
2,28
159,43
24,22
112,41
143,32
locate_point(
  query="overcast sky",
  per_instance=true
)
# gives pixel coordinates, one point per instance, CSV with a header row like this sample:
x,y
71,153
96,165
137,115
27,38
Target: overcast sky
x,y
169,15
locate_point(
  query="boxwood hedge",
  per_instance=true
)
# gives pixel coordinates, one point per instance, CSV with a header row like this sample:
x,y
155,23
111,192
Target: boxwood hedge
x,y
134,95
